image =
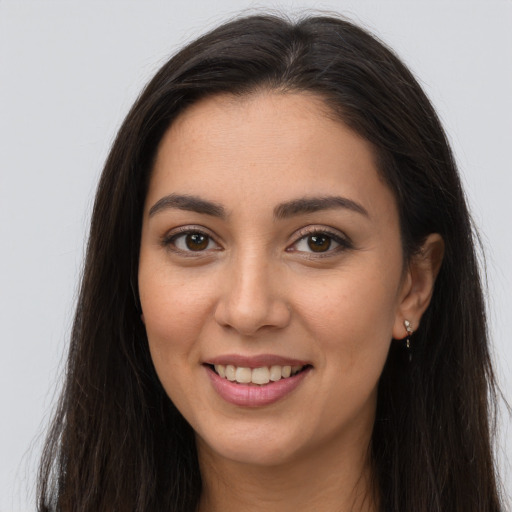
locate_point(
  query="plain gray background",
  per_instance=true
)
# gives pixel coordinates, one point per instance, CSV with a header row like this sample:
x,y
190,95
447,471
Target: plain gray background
x,y
69,72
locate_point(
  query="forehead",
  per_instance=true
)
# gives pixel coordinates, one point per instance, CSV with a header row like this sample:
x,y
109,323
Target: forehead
x,y
269,147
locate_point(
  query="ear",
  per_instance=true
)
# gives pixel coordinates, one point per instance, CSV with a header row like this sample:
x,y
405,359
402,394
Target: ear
x,y
418,284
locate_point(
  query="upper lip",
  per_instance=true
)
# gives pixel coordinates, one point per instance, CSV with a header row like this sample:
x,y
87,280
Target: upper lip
x,y
257,361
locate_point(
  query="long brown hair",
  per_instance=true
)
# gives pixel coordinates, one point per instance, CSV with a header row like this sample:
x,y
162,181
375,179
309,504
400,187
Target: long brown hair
x,y
117,442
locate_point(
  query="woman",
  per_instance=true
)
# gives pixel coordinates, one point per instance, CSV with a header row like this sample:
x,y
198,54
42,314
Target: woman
x,y
281,307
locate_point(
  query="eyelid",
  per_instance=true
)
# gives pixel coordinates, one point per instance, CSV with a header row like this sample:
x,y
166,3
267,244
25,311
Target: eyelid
x,y
168,239
344,242
336,235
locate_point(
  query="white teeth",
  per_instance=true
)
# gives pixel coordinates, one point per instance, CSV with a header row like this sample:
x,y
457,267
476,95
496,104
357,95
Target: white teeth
x,y
230,372
275,373
243,375
261,376
221,370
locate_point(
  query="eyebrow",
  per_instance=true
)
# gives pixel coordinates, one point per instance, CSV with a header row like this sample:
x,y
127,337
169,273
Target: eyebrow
x,y
189,203
286,210
315,204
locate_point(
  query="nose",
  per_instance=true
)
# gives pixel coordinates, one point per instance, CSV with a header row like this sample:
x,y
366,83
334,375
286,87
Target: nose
x,y
252,298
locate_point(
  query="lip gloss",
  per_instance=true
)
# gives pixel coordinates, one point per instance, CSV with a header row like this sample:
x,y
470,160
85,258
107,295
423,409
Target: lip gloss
x,y
254,395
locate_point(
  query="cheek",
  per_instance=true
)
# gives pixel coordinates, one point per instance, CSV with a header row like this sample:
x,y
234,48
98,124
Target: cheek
x,y
173,302
174,314
350,315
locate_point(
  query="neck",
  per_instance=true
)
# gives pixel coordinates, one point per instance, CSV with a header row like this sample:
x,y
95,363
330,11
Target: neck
x,y
316,482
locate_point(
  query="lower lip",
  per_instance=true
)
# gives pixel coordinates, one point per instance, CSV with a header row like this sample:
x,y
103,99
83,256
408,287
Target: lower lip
x,y
253,395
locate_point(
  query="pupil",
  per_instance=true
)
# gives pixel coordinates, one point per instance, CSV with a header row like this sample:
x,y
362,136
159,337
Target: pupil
x,y
319,243
196,241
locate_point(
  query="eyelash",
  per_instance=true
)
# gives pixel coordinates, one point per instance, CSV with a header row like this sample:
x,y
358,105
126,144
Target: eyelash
x,y
342,241
169,241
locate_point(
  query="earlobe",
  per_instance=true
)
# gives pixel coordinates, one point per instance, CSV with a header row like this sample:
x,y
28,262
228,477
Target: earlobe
x,y
418,285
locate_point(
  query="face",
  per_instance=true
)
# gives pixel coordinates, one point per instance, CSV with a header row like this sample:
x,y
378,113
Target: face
x,y
271,277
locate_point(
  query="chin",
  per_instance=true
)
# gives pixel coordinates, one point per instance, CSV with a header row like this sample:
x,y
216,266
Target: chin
x,y
256,450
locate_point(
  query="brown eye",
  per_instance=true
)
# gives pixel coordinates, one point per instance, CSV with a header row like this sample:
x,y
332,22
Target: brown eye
x,y
319,243
322,243
190,241
196,241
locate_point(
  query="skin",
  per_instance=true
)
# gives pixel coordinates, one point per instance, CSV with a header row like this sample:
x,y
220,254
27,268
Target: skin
x,y
258,288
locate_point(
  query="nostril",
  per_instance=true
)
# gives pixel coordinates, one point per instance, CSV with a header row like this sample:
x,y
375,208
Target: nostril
x,y
248,318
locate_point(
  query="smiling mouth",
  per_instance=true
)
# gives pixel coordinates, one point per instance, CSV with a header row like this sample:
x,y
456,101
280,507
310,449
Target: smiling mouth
x,y
258,376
